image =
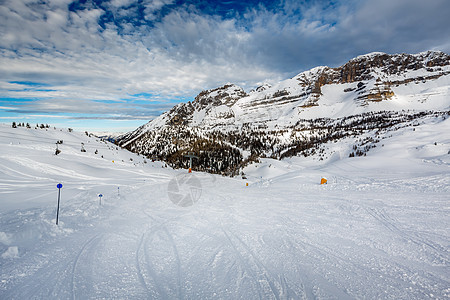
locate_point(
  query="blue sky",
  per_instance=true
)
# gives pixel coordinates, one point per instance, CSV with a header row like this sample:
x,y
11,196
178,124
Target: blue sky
x,y
114,65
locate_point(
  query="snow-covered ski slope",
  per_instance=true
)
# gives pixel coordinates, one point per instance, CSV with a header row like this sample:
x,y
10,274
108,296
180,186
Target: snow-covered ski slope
x,y
378,230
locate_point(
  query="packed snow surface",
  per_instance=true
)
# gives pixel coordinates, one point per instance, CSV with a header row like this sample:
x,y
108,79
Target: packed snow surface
x,y
378,230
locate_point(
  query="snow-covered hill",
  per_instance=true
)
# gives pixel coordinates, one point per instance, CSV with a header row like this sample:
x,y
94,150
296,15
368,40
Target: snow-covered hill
x,y
227,127
377,230
28,159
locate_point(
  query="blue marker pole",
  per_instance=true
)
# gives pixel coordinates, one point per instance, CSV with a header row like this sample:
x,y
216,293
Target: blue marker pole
x,y
59,186
100,197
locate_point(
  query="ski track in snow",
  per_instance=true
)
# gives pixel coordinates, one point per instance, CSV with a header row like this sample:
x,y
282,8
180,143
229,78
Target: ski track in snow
x,y
147,266
86,250
439,253
146,245
277,283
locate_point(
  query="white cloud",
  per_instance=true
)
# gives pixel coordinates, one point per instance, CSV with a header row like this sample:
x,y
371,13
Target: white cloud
x,y
153,6
121,3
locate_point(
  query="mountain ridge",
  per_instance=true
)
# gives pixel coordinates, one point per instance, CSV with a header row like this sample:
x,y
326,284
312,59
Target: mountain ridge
x,y
367,84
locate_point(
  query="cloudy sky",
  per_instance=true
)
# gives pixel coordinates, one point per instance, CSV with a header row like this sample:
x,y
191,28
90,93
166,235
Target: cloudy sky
x,y
114,65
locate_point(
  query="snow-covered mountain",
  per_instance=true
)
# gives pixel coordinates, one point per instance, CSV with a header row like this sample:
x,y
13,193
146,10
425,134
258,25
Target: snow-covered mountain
x,y
227,126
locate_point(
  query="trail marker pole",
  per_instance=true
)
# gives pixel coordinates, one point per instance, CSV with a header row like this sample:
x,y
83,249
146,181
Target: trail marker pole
x,y
100,197
59,186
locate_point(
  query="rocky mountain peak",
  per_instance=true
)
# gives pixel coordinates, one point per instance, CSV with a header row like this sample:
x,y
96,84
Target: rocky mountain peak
x,y
225,95
213,103
261,88
361,68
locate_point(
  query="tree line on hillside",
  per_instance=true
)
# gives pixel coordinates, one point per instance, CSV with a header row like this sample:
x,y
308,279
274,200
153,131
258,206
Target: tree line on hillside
x,y
227,151
27,125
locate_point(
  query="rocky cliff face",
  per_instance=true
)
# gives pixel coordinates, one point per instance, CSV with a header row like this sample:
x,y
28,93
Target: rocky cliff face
x,y
386,69
228,122
362,68
215,103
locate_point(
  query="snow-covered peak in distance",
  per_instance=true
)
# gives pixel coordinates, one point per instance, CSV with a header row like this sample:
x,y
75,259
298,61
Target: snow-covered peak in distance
x,y
225,95
261,88
368,56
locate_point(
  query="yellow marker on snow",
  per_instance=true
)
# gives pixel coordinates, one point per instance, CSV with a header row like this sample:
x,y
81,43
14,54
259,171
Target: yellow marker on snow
x,y
323,180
